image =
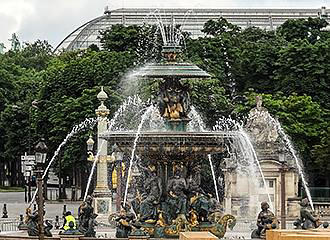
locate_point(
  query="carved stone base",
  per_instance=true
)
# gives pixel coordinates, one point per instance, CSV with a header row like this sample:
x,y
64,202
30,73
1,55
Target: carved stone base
x,y
102,205
197,235
218,228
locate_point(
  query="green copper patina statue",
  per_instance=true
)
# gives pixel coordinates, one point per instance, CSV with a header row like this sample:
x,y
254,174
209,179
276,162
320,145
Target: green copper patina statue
x,y
266,220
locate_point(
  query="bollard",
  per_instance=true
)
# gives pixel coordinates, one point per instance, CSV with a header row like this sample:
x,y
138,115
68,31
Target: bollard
x,y
21,225
57,222
21,218
64,210
4,211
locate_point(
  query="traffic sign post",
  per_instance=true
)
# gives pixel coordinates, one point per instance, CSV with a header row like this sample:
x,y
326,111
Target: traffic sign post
x,y
28,161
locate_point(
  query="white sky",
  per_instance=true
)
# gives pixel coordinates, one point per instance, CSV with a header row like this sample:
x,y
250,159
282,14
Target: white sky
x,y
53,20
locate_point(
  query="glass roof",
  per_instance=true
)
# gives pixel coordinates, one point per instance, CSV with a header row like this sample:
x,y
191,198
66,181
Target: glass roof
x,y
191,20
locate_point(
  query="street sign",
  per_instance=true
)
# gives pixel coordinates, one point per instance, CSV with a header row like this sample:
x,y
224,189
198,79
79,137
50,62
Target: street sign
x,y
28,168
29,162
28,157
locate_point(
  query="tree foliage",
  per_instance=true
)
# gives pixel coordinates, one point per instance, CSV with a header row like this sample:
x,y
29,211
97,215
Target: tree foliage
x,y
289,67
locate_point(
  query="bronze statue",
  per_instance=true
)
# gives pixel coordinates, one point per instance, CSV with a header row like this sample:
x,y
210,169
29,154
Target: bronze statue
x,y
124,223
177,198
86,218
266,220
307,220
31,220
174,100
151,196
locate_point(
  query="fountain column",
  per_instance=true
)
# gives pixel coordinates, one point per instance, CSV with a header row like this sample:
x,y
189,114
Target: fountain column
x,y
102,195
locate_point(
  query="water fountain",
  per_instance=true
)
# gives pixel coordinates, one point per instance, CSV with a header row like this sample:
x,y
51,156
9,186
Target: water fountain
x,y
169,159
172,198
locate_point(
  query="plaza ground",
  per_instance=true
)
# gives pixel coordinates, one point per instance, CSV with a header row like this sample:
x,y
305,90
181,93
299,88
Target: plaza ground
x,y
16,206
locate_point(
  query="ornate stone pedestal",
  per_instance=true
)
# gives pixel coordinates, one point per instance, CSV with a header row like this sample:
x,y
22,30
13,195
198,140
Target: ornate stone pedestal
x,y
102,204
102,195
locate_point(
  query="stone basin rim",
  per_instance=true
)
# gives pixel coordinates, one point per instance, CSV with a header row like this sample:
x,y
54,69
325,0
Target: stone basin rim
x,y
162,134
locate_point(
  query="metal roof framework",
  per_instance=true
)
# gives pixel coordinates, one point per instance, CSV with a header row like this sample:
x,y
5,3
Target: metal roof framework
x,y
191,20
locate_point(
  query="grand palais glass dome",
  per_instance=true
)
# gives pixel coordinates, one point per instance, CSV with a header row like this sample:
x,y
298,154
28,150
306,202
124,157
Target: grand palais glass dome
x,y
191,20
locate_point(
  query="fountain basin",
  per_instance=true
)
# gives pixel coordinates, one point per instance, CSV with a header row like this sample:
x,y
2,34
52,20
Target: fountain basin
x,y
292,234
176,145
182,70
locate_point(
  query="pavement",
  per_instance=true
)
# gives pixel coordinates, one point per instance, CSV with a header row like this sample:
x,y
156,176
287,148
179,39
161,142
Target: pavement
x,y
16,206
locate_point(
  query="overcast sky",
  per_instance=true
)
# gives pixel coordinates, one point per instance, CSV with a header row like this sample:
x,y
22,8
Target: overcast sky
x,y
53,20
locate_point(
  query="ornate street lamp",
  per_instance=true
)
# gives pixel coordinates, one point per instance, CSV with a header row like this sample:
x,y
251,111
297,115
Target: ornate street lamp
x,y
90,145
41,154
41,151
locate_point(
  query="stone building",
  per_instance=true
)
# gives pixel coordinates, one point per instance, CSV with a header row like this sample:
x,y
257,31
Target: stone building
x,y
278,167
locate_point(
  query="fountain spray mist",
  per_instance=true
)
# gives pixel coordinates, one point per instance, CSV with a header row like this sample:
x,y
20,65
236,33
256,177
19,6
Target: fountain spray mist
x,y
297,160
137,135
245,145
201,125
247,141
89,122
135,100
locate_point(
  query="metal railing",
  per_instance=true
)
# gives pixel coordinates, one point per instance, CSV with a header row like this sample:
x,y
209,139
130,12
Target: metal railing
x,y
9,226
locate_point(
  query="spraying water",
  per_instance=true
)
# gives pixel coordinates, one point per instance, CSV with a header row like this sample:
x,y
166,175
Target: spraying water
x,y
89,122
297,161
214,179
130,101
261,113
201,125
245,146
247,142
143,118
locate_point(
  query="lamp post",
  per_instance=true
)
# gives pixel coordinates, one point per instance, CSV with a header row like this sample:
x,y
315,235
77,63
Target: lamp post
x,y
41,153
90,145
118,165
283,170
90,151
27,162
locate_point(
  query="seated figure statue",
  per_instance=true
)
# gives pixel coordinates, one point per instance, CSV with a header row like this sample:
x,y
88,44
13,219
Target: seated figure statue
x,y
177,198
266,220
31,220
86,218
306,221
151,196
124,223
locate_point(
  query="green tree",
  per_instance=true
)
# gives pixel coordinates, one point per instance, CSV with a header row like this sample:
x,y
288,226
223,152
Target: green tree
x,y
303,120
303,68
68,95
142,42
256,57
220,26
321,152
34,55
309,29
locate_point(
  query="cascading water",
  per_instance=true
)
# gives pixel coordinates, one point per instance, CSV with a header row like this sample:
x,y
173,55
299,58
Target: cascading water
x,y
297,160
129,102
247,156
245,139
143,118
89,122
263,114
196,118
